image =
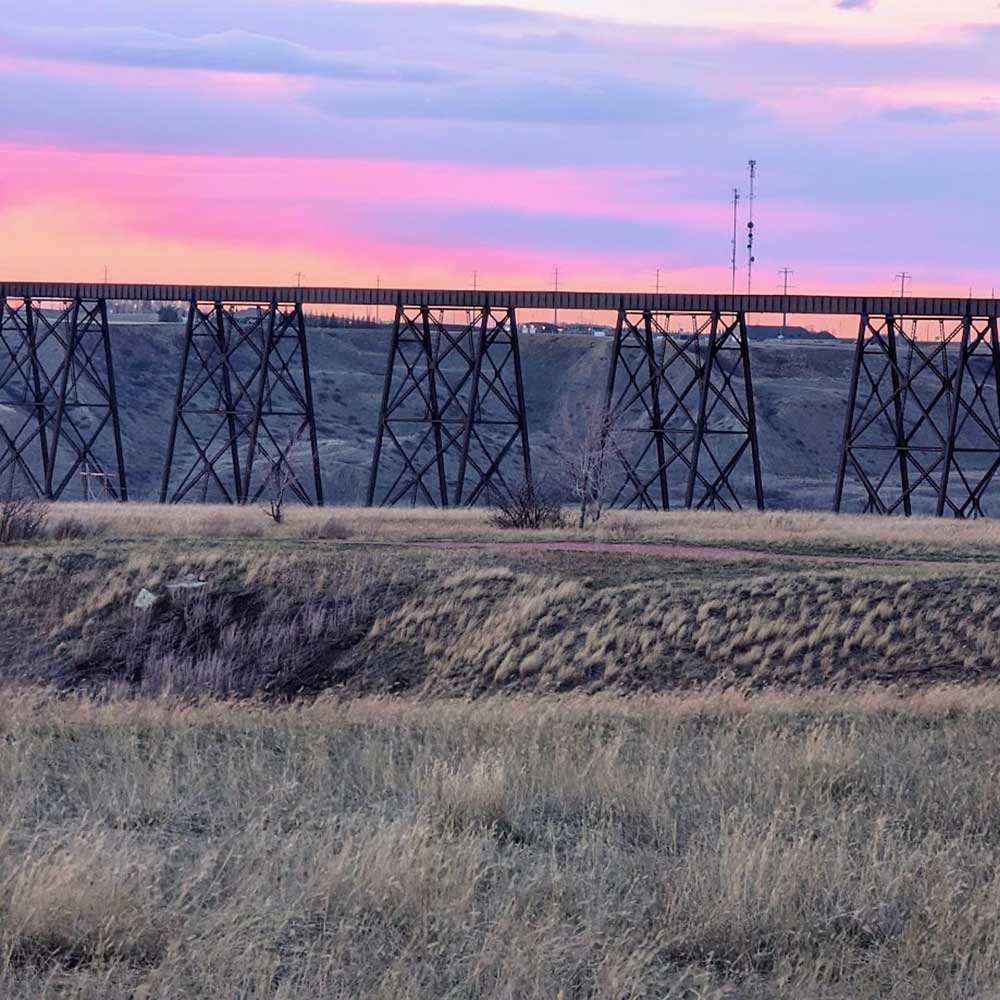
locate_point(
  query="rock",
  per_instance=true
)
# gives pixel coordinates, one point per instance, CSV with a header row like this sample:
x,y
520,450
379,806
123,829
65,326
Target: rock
x,y
146,600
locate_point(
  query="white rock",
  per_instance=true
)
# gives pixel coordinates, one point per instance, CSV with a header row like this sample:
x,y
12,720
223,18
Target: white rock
x,y
145,600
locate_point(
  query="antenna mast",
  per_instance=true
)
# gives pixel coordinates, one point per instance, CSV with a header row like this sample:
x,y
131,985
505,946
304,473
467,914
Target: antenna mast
x,y
750,233
736,203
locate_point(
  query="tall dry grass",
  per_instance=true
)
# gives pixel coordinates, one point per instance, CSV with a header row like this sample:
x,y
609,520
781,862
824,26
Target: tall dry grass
x,y
817,847
806,532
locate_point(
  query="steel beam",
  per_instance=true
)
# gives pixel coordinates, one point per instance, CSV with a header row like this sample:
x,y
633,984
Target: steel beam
x,y
610,302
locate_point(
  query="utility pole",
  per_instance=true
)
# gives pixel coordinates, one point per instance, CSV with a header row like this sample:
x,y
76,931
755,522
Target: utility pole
x,y
750,232
657,281
736,203
298,279
785,272
475,281
378,306
555,313
904,277
105,274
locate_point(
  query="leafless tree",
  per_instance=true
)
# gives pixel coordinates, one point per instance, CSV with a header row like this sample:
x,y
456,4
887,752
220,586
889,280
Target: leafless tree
x,y
280,477
587,442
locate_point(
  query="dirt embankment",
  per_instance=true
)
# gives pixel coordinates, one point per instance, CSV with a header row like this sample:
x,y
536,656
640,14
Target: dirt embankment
x,y
473,622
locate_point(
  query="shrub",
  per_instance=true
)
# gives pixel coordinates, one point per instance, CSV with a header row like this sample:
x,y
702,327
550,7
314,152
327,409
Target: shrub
x,y
21,519
332,529
168,314
624,529
528,505
70,527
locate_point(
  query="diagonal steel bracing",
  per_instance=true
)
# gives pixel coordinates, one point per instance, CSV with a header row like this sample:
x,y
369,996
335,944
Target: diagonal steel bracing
x,y
654,386
725,448
680,399
921,430
452,417
243,410
62,436
972,450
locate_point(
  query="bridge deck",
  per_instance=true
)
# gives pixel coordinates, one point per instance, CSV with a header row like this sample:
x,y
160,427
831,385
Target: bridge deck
x,y
797,305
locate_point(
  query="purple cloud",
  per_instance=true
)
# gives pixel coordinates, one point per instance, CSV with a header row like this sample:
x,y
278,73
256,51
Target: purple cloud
x,y
234,50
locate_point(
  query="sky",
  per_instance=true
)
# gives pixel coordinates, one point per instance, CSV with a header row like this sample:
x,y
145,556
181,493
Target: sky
x,y
441,144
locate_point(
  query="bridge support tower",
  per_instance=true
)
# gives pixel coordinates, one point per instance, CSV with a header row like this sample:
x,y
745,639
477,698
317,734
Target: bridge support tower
x,y
681,410
922,430
57,380
243,425
452,417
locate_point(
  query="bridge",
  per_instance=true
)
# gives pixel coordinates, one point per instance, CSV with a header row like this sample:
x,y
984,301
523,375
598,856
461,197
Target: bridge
x,y
922,424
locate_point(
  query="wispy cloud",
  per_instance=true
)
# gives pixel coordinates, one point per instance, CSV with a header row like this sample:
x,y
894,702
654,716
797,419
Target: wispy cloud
x,y
235,50
917,114
596,100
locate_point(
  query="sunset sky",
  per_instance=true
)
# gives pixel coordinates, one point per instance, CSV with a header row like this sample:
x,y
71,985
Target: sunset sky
x,y
244,141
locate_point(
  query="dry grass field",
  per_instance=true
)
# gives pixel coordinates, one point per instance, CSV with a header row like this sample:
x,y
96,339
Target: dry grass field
x,y
811,846
404,754
782,531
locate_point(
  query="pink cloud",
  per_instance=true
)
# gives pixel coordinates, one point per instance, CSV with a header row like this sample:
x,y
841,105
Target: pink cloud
x,y
65,214
294,198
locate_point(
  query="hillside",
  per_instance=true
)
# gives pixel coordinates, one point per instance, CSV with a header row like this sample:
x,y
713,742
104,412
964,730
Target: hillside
x,y
442,603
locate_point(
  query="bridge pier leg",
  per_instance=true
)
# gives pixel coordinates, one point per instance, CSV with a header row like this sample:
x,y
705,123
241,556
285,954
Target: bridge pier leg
x,y
76,405
283,412
846,451
726,426
383,410
453,409
243,404
652,395
903,415
24,454
972,451
205,420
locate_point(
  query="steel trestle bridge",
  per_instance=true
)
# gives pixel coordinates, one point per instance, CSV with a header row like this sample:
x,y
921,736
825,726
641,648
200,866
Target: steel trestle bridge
x,y
922,429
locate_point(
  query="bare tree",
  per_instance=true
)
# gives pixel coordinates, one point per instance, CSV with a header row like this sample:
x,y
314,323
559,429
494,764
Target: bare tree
x,y
280,478
587,442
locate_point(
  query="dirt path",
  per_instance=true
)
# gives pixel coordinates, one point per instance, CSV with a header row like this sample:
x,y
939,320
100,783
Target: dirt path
x,y
707,552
